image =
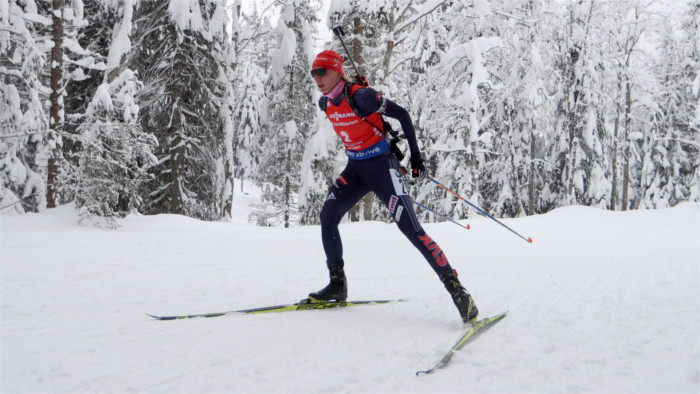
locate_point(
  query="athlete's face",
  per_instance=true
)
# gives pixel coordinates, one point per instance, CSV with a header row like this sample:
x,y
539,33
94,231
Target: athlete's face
x,y
327,80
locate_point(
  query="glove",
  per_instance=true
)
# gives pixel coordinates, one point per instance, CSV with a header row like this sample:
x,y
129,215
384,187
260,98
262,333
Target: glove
x,y
418,171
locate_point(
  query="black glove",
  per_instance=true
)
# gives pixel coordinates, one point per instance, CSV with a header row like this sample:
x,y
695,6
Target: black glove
x,y
418,171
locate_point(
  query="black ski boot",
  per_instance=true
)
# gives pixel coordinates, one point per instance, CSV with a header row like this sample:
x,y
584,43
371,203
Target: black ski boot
x,y
462,299
337,289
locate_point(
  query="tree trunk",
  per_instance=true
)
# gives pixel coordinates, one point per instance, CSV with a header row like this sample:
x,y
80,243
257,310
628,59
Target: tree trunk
x,y
364,207
229,179
177,144
533,178
628,142
56,110
475,170
357,31
230,148
288,188
613,196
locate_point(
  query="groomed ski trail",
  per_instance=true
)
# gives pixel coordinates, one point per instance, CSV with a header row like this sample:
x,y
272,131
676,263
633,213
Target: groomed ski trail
x,y
602,301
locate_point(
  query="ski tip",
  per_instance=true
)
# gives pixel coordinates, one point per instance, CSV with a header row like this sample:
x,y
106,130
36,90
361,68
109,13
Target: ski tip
x,y
529,240
469,227
426,372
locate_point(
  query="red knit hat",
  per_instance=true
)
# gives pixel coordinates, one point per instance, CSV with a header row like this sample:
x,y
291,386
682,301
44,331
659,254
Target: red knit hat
x,y
330,60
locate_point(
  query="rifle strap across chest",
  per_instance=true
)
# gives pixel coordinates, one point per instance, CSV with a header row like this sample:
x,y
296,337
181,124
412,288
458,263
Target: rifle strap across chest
x,y
388,130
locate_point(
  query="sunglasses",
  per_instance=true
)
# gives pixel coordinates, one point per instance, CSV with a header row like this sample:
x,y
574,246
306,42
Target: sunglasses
x,y
318,72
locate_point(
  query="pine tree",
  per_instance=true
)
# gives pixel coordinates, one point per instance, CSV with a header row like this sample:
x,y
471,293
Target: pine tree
x,y
576,127
251,115
670,164
317,170
515,178
56,112
464,89
68,62
23,117
115,153
180,51
291,106
93,39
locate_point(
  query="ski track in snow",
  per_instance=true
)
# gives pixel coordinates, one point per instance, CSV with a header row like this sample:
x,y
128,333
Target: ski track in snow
x,y
600,302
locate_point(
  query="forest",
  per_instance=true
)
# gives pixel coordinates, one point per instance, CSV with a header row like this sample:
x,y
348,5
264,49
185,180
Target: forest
x,y
520,106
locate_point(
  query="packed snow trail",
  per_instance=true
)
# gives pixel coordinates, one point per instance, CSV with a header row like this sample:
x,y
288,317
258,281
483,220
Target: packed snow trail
x,y
600,302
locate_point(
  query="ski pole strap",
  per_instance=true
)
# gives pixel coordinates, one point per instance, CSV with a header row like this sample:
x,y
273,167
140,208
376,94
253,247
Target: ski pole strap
x,y
481,211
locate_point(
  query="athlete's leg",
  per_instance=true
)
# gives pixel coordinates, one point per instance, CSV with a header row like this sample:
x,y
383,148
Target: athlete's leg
x,y
386,182
345,192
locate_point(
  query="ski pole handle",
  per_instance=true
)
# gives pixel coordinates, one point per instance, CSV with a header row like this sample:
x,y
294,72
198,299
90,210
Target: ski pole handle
x,y
338,31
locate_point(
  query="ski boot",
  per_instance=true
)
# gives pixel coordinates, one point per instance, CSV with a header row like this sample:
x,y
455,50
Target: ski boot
x,y
462,299
337,289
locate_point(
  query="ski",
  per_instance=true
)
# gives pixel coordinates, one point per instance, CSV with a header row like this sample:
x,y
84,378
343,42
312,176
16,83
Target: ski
x,y
298,306
477,328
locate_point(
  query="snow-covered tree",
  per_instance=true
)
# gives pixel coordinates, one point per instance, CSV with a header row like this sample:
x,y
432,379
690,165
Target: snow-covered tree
x,y
577,148
514,180
292,109
180,49
115,153
318,170
68,59
460,104
23,116
519,105
250,116
669,172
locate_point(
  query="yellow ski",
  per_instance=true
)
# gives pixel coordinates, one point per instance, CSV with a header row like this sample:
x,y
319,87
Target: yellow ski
x,y
477,328
299,306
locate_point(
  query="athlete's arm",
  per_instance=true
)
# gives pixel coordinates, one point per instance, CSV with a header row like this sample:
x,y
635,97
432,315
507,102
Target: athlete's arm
x,y
367,101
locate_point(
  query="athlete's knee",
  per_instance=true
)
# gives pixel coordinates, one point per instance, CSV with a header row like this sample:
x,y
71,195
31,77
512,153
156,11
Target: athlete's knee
x,y
408,224
329,211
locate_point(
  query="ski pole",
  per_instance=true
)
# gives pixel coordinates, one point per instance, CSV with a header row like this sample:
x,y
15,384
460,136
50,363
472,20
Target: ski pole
x,y
441,215
481,211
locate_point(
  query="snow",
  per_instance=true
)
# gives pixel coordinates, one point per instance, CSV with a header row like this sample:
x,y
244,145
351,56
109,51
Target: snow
x,y
482,8
121,44
291,129
285,48
473,51
186,14
101,100
600,302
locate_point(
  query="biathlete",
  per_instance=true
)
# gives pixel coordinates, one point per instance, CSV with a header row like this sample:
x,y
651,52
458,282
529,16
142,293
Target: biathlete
x,y
372,167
